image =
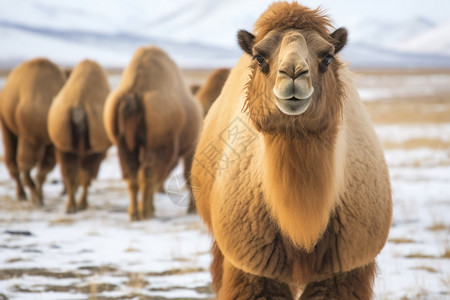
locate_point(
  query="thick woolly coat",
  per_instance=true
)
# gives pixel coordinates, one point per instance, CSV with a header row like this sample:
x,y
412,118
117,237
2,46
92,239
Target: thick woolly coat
x,y
244,178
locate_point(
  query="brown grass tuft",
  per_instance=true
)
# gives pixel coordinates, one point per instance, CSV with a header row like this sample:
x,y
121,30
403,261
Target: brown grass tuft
x,y
401,241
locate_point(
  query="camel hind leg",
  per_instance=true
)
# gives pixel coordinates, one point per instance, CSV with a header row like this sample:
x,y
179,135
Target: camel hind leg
x,y
89,170
10,152
69,165
45,166
129,164
146,186
28,156
354,285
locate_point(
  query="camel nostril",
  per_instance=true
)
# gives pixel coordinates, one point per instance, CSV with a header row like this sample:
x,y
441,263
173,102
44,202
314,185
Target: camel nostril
x,y
294,74
301,73
284,73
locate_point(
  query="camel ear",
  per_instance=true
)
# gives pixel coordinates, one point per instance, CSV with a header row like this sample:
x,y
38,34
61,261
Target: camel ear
x,y
339,39
245,40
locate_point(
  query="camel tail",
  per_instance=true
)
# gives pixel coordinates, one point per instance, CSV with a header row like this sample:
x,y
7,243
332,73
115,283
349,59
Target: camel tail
x,y
79,130
130,122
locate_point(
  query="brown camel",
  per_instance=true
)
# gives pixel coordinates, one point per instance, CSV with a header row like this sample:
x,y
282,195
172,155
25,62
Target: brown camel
x,y
292,179
76,129
210,90
24,104
154,120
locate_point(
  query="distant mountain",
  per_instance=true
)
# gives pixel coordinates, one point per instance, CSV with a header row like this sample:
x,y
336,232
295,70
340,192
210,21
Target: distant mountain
x,y
435,41
198,34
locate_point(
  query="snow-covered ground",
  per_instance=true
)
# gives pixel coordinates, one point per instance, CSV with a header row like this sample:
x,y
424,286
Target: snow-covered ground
x,y
46,254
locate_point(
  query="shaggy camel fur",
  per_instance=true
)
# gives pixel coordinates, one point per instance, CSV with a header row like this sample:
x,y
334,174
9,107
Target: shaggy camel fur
x,y
212,87
24,104
76,129
291,177
154,120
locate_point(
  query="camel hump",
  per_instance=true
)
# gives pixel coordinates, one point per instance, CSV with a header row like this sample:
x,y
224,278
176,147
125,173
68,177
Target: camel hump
x,y
79,129
130,119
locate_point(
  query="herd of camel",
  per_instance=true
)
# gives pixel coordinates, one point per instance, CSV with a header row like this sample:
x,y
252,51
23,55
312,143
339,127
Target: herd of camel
x,y
71,117
293,183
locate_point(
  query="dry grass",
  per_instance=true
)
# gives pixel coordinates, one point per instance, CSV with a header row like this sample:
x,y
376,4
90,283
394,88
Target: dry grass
x,y
62,221
396,71
438,227
421,256
446,253
436,144
401,241
426,268
433,110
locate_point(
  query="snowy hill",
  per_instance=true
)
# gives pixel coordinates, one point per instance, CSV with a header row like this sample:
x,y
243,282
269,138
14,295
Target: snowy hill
x,y
196,34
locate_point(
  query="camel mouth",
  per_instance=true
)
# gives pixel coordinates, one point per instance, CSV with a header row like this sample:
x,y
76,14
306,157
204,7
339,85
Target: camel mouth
x,y
293,106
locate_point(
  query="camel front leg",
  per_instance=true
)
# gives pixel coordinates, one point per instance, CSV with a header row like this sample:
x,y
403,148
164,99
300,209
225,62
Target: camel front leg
x,y
354,285
239,285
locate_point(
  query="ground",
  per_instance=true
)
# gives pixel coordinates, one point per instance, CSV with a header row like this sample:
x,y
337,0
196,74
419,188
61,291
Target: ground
x,y
100,254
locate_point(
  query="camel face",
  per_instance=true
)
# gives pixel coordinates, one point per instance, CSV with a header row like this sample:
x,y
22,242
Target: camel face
x,y
293,88
290,71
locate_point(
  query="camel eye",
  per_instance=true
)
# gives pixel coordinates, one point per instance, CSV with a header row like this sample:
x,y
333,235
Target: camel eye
x,y
259,59
325,62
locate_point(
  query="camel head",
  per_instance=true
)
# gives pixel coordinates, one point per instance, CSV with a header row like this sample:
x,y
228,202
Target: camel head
x,y
294,84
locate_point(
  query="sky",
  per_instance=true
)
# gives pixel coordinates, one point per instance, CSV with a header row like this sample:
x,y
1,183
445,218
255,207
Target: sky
x,y
51,25
437,10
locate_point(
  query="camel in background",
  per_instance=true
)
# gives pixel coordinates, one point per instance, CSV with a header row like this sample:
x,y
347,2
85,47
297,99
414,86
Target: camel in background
x,y
24,103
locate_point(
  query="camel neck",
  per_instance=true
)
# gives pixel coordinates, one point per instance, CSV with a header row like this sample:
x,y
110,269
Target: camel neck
x,y
299,185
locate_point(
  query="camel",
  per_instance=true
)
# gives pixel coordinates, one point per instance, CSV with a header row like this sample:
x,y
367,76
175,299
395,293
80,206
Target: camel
x,y
292,179
76,129
154,120
24,103
211,89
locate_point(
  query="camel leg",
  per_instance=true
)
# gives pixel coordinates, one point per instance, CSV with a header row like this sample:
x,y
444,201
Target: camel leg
x,y
188,159
28,155
146,208
353,285
236,284
85,182
69,166
216,268
133,189
89,170
129,164
10,153
161,188
45,166
32,187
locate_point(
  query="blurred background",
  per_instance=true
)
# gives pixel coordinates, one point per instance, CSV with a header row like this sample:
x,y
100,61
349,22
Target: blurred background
x,y
202,34
400,53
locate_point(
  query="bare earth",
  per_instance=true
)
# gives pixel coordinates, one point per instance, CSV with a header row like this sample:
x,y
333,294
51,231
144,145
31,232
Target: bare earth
x,y
99,254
